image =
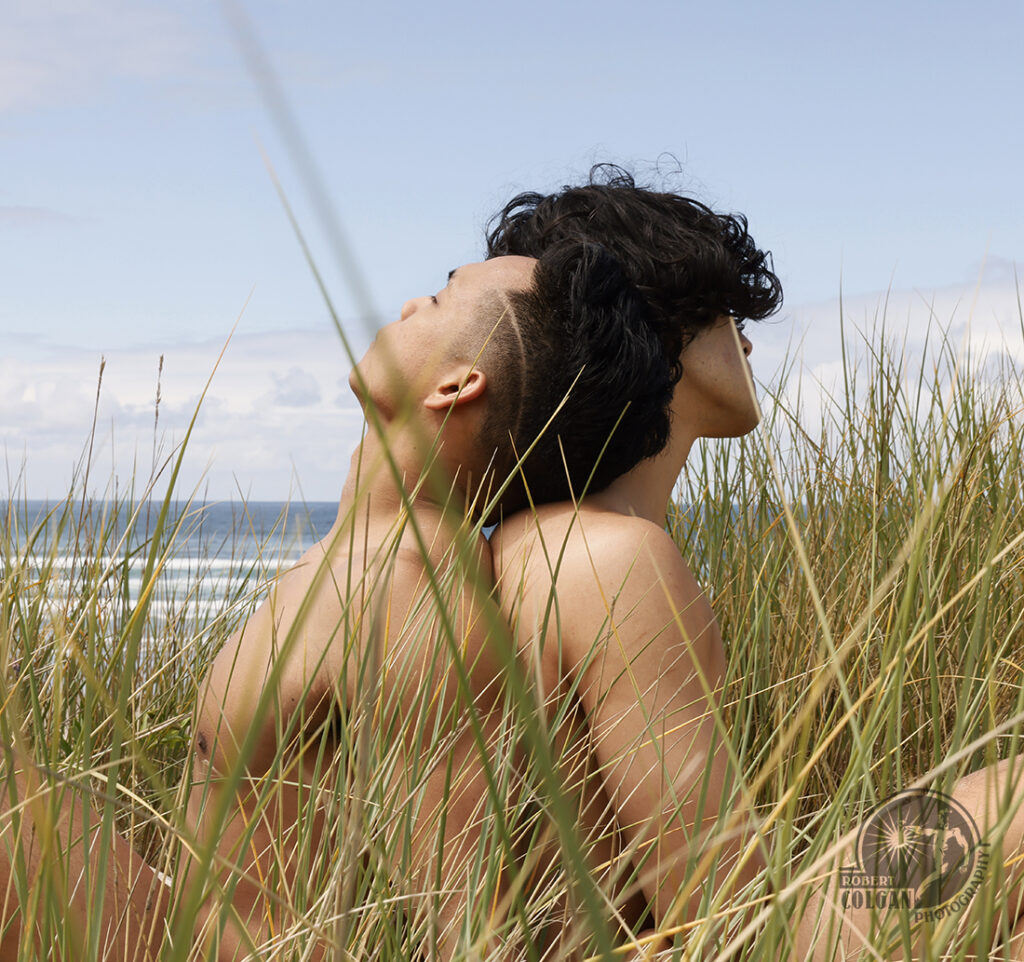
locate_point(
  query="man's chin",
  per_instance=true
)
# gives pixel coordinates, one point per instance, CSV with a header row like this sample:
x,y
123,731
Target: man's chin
x,y
742,428
356,386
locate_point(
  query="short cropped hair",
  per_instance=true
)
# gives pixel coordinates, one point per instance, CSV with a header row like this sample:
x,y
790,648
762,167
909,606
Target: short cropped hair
x,y
577,377
686,265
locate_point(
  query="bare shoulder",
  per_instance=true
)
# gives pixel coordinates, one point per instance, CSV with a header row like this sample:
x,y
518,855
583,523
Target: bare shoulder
x,y
637,568
579,547
602,566
618,545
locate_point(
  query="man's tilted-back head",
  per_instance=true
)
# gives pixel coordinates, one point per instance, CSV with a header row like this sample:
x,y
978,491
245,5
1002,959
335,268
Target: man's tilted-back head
x,y
687,264
548,362
430,378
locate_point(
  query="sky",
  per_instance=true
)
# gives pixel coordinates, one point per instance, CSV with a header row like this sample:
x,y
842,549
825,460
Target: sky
x,y
874,148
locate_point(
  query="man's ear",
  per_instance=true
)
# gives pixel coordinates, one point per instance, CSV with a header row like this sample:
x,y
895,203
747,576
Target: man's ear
x,y
460,385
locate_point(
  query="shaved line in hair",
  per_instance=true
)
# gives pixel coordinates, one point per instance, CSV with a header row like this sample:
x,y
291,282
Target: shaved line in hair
x,y
508,311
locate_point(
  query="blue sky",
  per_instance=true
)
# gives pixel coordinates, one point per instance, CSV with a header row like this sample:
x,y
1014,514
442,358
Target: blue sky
x,y
876,143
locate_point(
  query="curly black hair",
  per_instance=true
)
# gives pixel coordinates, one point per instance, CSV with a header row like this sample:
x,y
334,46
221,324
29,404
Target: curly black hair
x,y
690,264
582,377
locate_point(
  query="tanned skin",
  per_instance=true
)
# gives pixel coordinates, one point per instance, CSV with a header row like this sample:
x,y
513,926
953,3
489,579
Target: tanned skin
x,y
644,698
642,735
308,645
318,675
648,693
277,689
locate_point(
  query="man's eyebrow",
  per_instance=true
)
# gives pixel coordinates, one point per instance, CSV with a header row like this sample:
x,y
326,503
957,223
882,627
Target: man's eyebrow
x,y
452,273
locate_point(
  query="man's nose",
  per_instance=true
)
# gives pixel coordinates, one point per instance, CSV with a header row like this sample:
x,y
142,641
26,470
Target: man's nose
x,y
746,345
412,306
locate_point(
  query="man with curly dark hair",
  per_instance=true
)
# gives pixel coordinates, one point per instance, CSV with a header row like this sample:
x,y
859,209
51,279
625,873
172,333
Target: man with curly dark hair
x,y
646,699
633,675
688,265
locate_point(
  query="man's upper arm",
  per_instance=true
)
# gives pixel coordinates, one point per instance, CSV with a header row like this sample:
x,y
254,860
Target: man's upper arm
x,y
650,660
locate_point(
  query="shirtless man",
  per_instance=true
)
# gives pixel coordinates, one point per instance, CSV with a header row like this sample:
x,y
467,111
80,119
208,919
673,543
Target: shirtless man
x,y
647,691
350,633
377,634
640,659
450,386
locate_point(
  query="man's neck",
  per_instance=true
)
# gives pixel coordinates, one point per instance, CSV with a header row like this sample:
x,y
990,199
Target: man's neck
x,y
645,491
383,481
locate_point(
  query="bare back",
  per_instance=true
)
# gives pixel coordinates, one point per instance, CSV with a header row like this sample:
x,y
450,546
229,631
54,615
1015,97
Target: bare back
x,y
606,608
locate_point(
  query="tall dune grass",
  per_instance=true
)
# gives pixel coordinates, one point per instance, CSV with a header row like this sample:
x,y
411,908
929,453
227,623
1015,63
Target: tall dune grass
x,y
868,571
868,574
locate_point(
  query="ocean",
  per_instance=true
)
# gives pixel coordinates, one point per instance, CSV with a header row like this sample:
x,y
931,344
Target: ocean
x,y
208,549
216,528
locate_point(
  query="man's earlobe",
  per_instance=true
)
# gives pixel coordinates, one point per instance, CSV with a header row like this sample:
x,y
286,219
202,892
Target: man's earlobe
x,y
464,385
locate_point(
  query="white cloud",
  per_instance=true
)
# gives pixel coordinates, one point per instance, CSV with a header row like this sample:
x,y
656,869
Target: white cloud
x,y
984,317
982,324
250,432
296,389
22,217
64,50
